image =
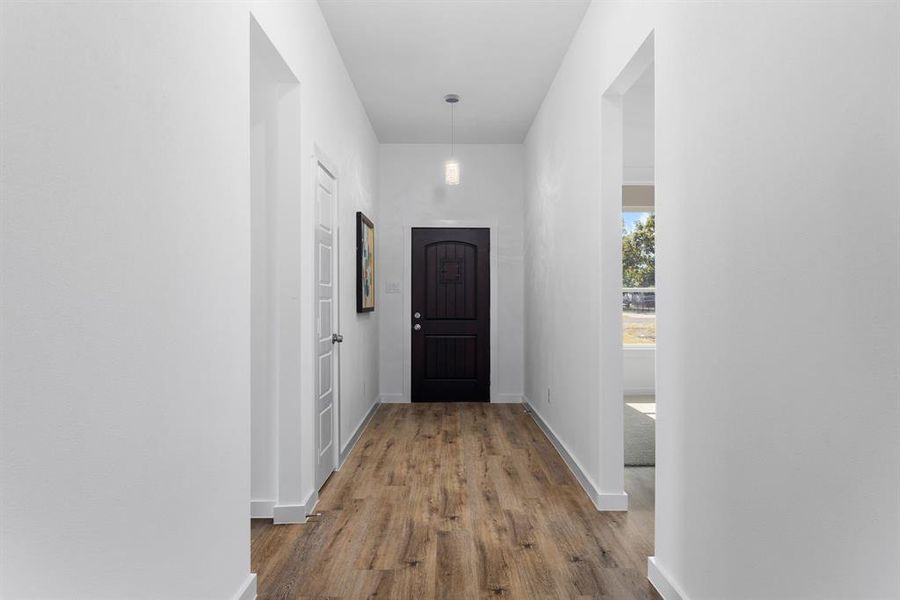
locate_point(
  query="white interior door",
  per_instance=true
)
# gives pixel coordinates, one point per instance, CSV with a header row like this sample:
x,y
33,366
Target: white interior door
x,y
327,337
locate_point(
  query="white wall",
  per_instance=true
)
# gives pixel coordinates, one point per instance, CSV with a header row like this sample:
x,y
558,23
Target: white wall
x,y
412,193
263,401
333,126
637,131
638,370
778,454
125,330
125,303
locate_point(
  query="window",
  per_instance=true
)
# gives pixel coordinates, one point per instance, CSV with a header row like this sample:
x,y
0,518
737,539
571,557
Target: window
x,y
639,278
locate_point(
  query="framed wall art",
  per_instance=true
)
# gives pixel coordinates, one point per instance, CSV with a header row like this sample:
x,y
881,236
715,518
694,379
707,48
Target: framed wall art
x,y
365,264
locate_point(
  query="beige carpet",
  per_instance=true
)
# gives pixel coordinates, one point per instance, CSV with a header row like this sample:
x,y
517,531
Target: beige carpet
x,y
640,431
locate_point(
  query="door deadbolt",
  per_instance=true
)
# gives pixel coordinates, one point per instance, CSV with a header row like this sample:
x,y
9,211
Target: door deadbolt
x,y
417,316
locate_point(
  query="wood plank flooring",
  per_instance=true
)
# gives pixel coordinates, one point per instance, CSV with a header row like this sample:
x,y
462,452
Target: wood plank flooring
x,y
458,501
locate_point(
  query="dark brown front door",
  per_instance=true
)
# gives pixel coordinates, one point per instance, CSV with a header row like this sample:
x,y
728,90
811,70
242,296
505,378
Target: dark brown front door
x,y
451,300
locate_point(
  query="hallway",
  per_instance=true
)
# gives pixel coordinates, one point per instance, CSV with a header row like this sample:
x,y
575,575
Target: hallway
x,y
245,245
458,501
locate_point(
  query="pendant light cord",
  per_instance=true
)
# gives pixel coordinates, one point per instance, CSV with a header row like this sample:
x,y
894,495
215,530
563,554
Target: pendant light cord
x,y
451,131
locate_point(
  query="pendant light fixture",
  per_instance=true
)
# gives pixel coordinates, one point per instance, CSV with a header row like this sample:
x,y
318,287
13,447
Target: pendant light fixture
x,y
451,167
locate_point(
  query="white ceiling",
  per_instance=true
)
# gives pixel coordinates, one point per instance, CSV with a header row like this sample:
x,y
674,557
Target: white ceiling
x,y
500,56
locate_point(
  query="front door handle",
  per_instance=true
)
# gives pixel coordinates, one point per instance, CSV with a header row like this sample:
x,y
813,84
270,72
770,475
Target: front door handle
x,y
336,338
417,327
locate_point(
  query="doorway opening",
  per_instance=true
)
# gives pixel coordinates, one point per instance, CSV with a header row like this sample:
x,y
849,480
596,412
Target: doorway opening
x,y
450,324
639,273
274,187
626,173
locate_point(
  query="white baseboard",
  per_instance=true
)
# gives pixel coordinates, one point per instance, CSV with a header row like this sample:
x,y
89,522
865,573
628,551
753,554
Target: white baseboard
x,y
283,514
248,590
602,501
262,509
392,399
608,502
639,392
504,398
500,398
348,447
663,584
